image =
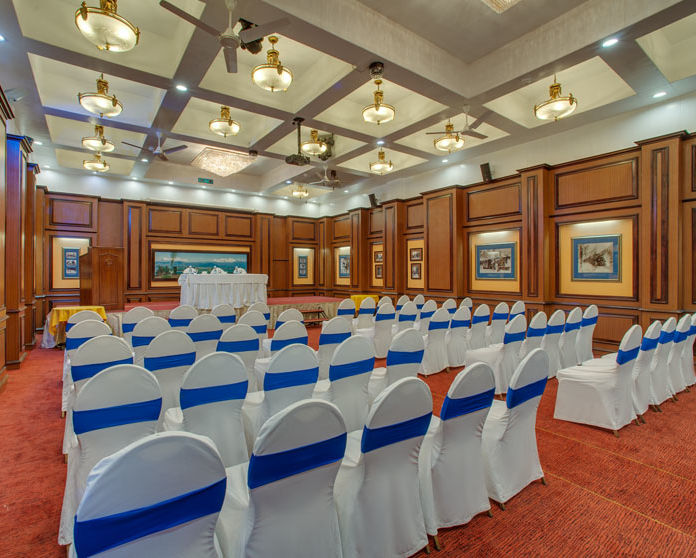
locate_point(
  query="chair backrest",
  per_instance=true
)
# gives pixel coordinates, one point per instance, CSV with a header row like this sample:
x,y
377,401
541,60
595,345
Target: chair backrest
x,y
367,306
132,317
647,347
461,320
225,313
256,321
515,331
587,325
498,321
97,354
243,341
181,316
291,376
440,321
568,341
403,299
471,391
535,333
288,334
479,321
466,301
143,334
664,343
405,355
160,496
289,315
517,309
346,308
211,397
82,332
81,316
528,382
205,331
450,305
407,315
333,333
168,357
384,300
260,307
681,334
629,349
552,335
426,312
419,301
385,316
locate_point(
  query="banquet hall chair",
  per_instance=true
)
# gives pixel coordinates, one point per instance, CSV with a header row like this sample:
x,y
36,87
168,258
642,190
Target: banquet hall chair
x,y
659,373
333,333
346,310
567,343
503,358
495,331
435,355
424,315
349,375
450,468
243,341
255,320
479,323
466,301
226,314
419,301
168,357
376,489
583,343
549,342
407,316
535,333
450,305
403,299
159,496
81,316
210,404
457,338
262,307
508,441
384,300
381,333
517,309
404,360
132,317
205,332
281,502
288,315
674,359
143,334
600,394
688,355
289,333
181,316
366,314
116,407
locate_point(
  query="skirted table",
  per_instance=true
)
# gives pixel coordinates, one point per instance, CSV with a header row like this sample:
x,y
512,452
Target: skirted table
x,y
358,298
54,329
205,291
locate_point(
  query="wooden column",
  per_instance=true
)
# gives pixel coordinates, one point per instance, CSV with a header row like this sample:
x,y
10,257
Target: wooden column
x,y
5,115
40,261
29,249
394,248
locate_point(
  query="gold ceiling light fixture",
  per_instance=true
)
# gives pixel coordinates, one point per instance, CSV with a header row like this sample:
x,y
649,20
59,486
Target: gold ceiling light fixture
x,y
97,164
381,165
450,141
557,105
221,161
100,102
98,142
299,192
314,146
104,28
224,126
378,112
272,76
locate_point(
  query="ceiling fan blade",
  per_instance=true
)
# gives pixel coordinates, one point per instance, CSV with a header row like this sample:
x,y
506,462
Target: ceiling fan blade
x,y
174,149
480,120
436,133
260,31
188,17
162,157
131,145
473,134
230,59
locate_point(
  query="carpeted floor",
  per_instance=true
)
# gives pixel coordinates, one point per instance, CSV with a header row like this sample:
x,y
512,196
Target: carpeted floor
x,y
632,496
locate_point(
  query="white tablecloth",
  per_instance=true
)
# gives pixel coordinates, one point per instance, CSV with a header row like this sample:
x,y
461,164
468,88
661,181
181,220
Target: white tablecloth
x,y
207,291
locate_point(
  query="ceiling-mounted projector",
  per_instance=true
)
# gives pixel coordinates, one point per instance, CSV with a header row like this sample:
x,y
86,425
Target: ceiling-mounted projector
x,y
298,159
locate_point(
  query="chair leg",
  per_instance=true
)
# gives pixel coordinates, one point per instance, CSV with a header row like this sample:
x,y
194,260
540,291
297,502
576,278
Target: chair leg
x,y
62,414
637,421
616,433
427,547
642,418
543,481
502,505
436,541
490,513
65,458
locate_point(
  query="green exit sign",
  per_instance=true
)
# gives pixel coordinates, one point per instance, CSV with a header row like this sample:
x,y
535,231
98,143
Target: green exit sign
x,y
205,180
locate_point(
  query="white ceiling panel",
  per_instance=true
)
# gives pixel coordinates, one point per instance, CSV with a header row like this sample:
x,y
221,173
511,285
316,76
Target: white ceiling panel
x,y
401,160
673,48
73,160
68,132
288,144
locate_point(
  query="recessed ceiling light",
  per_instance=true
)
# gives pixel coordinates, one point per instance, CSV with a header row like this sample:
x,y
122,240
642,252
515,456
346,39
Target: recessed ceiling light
x,y
659,94
285,197
47,166
445,160
170,182
37,142
2,38
380,142
145,160
610,42
345,191
233,190
181,87
288,182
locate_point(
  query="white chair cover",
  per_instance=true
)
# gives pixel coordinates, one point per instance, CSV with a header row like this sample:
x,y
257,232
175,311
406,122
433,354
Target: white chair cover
x,y
403,299
503,358
407,316
287,334
81,316
450,305
181,316
143,334
688,355
450,468
210,404
205,332
404,360
659,374
642,368
168,357
346,310
600,394
552,335
384,300
226,314
435,356
281,502
468,303
159,496
457,338
376,490
243,341
366,314
674,360
381,333
257,322
517,309
568,340
583,343
535,333
419,301
509,446
424,315
265,311
349,375
479,323
495,331
333,333
289,315
114,408
132,317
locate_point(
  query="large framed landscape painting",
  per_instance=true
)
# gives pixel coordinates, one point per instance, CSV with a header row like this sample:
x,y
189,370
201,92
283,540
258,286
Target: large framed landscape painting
x,y
167,265
496,261
597,258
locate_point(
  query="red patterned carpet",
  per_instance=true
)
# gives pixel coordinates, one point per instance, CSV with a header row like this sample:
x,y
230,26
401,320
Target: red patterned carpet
x,y
632,496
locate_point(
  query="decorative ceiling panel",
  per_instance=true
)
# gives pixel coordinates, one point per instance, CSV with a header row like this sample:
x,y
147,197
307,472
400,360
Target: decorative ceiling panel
x,y
69,133
401,160
288,144
673,48
73,160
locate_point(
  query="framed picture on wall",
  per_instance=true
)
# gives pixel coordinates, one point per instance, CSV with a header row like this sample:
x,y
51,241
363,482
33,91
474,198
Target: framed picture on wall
x,y
379,257
415,270
344,266
496,261
415,254
379,271
302,266
71,263
596,258
169,264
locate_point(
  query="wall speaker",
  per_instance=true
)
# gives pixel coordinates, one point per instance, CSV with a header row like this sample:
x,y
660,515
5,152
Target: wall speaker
x,y
486,172
373,200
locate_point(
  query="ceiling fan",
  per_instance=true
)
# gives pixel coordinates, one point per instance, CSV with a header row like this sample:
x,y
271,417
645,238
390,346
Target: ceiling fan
x,y
249,38
468,130
158,151
329,180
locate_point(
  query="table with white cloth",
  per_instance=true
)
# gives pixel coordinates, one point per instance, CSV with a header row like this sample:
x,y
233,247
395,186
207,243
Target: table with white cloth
x,y
205,291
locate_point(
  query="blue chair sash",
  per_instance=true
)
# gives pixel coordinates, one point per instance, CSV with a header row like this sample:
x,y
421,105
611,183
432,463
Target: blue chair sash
x,y
679,336
265,469
572,326
535,331
333,338
141,340
84,371
369,311
340,371
193,397
513,337
500,316
384,316
516,314
346,312
277,344
169,361
93,536
426,315
127,327
278,324
460,323
478,319
692,330
622,357
267,315
588,321
518,396
375,438
648,344
437,325
666,337
551,329
181,322
74,342
453,408
260,329
242,346
404,357
451,310
399,307
118,415
407,317
205,335
230,319
280,380
419,306
68,326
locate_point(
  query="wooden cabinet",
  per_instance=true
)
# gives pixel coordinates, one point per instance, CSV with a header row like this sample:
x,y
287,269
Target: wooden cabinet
x,y
101,278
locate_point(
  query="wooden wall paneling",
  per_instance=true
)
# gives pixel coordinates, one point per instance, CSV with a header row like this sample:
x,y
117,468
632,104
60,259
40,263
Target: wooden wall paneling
x,y
262,246
499,199
415,217
29,247
40,261
240,226
341,228
72,212
302,230
394,260
358,249
440,255
376,216
322,253
688,170
110,224
534,182
280,273
134,215
689,255
5,115
203,223
166,220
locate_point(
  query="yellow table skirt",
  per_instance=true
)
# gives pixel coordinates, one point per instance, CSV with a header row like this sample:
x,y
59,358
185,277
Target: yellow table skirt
x,y
61,314
359,298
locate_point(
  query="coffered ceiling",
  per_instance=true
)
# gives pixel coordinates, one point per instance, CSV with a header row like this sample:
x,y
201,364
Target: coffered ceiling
x,y
441,59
